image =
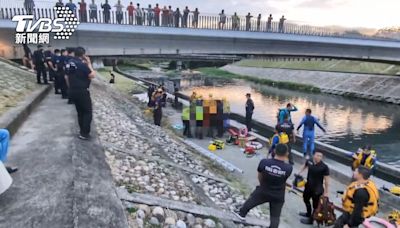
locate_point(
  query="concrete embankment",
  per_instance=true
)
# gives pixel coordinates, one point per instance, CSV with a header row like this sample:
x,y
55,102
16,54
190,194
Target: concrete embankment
x,y
366,86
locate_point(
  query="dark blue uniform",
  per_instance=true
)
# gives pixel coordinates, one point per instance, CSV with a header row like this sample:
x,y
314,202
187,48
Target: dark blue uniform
x,y
272,187
59,62
79,82
39,60
48,56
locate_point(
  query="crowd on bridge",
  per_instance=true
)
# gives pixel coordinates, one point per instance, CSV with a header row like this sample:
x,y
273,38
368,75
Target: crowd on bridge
x,y
165,16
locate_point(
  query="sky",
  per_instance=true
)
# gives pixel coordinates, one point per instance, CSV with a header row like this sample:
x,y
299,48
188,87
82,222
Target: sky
x,y
345,13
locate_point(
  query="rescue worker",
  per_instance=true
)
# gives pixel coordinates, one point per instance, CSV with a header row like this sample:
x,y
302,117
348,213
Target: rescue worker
x,y
279,137
249,111
158,104
39,65
317,185
288,128
360,201
286,112
186,122
199,116
193,97
272,175
309,122
80,74
365,156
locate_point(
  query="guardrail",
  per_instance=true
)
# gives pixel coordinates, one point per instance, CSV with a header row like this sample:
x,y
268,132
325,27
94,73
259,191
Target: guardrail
x,y
203,22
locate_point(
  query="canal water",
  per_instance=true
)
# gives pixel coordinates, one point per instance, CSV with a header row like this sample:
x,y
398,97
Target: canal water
x,y
350,123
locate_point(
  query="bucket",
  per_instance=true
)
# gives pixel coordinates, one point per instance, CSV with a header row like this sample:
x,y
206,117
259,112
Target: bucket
x,y
5,178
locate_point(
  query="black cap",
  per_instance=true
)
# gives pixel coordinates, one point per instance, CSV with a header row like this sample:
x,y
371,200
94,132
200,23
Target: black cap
x,y
248,94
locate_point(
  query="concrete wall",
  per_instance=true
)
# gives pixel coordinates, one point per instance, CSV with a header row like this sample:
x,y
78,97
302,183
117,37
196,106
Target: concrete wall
x,y
107,39
368,86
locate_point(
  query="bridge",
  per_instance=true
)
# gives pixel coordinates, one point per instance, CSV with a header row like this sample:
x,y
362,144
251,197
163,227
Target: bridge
x,y
115,40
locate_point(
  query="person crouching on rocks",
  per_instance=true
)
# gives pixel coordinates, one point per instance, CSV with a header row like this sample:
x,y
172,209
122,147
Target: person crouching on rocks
x,y
158,104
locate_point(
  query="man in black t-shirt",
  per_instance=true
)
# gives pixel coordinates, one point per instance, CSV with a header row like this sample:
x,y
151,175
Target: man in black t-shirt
x,y
316,186
39,62
272,175
288,127
80,73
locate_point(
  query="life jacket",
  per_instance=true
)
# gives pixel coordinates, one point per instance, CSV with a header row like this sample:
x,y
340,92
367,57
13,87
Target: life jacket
x,y
324,214
371,208
368,162
186,113
283,138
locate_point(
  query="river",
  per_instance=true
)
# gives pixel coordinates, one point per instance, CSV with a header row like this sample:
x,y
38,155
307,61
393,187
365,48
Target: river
x,y
350,122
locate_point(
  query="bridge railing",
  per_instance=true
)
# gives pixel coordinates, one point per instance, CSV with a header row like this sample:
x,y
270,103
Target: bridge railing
x,y
211,22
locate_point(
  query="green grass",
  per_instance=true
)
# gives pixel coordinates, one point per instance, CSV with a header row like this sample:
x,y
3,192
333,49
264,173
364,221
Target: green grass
x,y
218,73
326,65
122,83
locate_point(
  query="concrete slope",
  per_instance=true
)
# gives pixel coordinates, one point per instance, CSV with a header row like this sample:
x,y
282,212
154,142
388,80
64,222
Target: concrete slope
x,y
369,86
62,181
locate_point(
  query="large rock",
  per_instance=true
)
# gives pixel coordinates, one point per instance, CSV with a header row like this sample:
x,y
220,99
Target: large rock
x,y
145,208
209,223
169,221
158,212
154,221
180,224
140,214
190,219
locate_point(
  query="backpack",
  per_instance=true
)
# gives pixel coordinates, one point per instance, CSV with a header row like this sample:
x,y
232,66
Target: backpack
x,y
283,138
324,214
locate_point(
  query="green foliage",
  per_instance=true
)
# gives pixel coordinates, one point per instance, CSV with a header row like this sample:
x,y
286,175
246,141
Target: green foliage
x,y
132,210
215,72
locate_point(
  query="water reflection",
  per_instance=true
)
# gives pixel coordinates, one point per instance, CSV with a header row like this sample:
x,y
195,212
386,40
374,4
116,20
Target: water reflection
x,y
350,123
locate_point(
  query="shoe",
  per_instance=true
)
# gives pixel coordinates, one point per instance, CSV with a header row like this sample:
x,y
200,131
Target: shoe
x,y
303,214
307,221
237,214
11,169
70,102
84,137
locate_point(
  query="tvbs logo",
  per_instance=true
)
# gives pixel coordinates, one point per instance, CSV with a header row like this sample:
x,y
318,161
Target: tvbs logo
x,y
29,31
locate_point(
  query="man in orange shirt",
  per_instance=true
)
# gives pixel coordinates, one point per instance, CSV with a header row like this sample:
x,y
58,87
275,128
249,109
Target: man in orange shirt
x,y
131,10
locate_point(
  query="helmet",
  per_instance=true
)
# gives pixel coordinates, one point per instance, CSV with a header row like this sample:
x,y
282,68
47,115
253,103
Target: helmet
x,y
299,181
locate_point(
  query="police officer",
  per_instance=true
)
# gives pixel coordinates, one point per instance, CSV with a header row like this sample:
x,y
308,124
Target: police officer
x,y
80,73
316,186
58,66
360,200
62,60
70,55
39,65
48,56
272,175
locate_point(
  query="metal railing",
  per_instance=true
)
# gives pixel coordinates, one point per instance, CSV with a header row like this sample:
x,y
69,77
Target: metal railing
x,y
211,22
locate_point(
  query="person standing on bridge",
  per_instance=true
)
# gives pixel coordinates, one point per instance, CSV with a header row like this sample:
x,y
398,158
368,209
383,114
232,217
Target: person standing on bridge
x,y
29,6
82,11
59,3
235,21
131,11
259,22
281,27
309,123
164,16
195,22
317,185
118,12
272,175
222,20
249,111
185,17
269,23
170,17
150,15
80,74
157,11
177,17
71,6
93,12
139,15
106,12
248,22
